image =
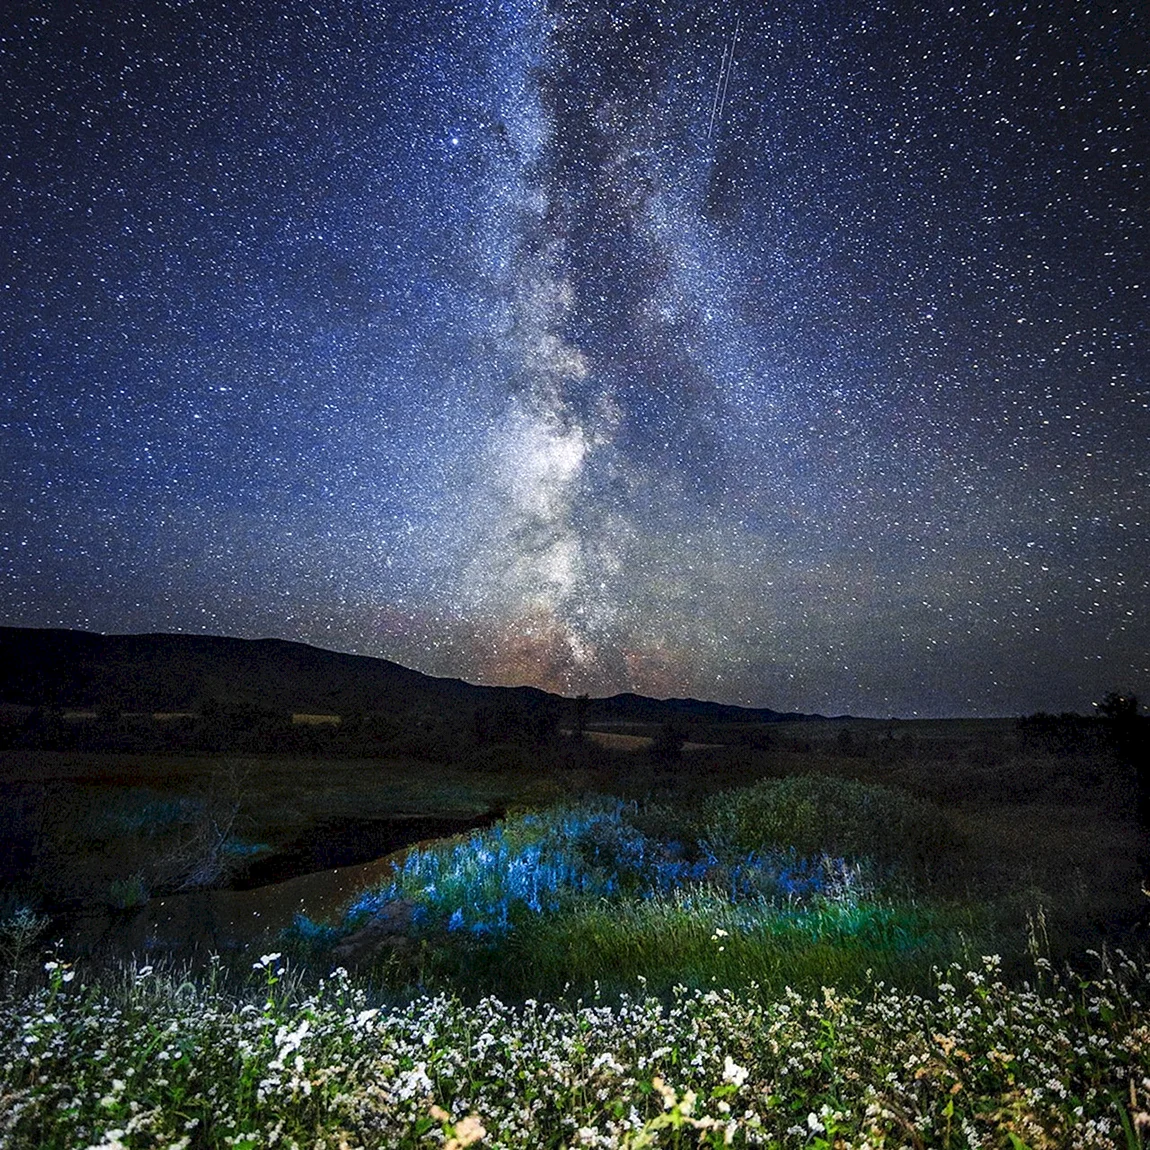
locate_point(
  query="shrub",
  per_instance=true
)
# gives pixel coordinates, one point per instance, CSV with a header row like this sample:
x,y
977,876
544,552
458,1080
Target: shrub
x,y
541,862
127,893
20,930
818,814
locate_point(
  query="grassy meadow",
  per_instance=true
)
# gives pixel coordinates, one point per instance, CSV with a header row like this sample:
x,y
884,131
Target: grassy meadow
x,y
817,934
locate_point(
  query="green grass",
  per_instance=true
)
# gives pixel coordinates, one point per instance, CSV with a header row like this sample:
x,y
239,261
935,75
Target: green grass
x,y
703,942
602,894
824,814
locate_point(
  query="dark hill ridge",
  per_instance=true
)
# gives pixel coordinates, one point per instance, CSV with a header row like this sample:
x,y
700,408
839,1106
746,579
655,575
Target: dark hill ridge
x,y
161,672
641,709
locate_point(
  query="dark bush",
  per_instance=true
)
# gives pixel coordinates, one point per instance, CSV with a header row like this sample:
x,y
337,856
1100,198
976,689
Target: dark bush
x,y
824,814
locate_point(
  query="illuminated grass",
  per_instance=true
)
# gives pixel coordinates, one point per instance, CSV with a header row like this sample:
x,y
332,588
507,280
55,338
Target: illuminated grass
x,y
702,941
606,892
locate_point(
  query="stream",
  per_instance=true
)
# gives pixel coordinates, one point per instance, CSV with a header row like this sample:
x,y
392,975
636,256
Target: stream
x,y
317,875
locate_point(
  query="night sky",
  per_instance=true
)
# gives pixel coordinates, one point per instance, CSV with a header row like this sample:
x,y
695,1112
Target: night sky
x,y
787,354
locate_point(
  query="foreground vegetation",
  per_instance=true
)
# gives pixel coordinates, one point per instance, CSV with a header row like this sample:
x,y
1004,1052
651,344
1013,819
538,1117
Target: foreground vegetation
x,y
156,1059
786,964
791,882
774,942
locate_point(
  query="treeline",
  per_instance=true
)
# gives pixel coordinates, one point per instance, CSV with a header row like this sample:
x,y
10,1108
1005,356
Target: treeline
x,y
1118,731
1117,726
219,726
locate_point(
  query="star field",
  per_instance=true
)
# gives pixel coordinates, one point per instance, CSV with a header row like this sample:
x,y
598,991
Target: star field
x,y
787,355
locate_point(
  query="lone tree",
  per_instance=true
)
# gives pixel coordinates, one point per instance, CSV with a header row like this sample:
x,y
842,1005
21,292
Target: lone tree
x,y
582,703
1128,733
667,745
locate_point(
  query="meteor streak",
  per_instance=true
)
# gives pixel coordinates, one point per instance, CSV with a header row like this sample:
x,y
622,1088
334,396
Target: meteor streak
x,y
724,82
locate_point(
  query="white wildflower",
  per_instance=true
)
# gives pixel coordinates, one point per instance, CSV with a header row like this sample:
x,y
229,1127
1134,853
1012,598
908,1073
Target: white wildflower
x,y
468,1131
733,1072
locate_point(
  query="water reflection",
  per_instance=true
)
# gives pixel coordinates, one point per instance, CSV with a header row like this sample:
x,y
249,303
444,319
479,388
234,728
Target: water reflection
x,y
197,924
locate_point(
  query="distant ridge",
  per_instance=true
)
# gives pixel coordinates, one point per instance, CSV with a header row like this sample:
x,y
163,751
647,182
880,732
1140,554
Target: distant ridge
x,y
45,667
640,708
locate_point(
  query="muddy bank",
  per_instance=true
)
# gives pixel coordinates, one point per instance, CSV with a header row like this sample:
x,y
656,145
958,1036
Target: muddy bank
x,y
250,914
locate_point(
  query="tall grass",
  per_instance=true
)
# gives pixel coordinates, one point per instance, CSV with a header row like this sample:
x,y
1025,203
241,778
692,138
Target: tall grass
x,y
605,892
701,940
824,814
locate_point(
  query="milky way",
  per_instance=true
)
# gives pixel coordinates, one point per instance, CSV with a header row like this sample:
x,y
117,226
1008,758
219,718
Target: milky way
x,y
789,355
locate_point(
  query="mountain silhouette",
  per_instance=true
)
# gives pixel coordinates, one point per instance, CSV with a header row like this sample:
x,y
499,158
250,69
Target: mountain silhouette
x,y
82,670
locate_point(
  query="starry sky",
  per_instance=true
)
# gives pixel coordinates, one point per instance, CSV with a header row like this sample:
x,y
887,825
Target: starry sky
x,y
785,354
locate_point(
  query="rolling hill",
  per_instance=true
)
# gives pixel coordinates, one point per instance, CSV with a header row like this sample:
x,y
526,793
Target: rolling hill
x,y
81,670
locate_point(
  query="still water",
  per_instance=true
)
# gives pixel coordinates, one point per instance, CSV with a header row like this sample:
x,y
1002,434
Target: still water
x,y
197,924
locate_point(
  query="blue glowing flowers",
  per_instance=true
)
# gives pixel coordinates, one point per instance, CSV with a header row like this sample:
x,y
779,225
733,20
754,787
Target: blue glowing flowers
x,y
539,863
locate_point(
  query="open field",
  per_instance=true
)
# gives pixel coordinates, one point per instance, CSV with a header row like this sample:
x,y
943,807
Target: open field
x,y
99,832
679,913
